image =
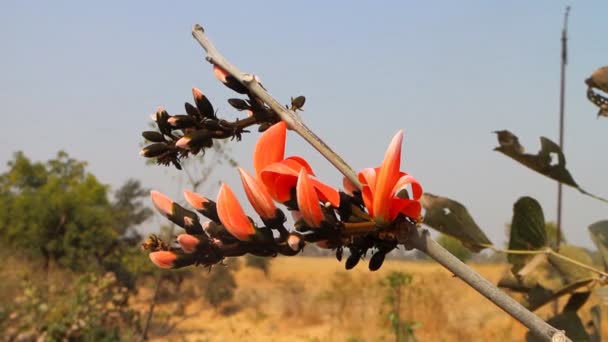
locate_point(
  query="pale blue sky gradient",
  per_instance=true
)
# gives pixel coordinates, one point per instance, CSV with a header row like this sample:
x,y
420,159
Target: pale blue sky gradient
x,y
84,77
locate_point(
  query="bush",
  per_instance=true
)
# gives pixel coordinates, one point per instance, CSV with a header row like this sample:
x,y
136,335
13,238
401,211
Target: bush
x,y
93,309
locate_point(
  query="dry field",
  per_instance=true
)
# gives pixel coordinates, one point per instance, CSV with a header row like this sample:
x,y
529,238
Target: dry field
x,y
315,299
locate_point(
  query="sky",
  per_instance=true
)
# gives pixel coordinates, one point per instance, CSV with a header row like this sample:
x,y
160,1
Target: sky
x,y
85,76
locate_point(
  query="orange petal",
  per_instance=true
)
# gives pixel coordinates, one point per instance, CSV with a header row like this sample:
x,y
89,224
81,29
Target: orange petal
x,y
407,207
308,202
187,242
162,203
368,177
195,200
258,196
386,179
232,216
326,193
405,180
163,259
296,163
270,148
283,186
279,179
368,199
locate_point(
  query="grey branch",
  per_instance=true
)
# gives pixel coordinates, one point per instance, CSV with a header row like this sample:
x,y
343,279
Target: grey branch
x,y
290,117
411,237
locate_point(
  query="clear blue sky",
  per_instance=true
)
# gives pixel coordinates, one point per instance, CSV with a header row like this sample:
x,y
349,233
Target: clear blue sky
x,y
84,77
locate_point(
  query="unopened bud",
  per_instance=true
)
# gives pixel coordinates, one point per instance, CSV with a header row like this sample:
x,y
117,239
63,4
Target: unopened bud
x,y
188,242
154,150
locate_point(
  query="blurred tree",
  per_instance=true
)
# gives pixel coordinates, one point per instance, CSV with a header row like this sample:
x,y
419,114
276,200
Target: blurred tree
x,y
61,212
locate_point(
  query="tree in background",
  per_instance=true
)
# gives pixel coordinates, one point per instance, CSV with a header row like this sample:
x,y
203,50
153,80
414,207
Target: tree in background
x,y
60,212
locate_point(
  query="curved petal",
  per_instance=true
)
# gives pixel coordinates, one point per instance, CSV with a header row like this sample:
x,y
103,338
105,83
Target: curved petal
x,y
297,162
163,259
232,216
407,207
279,179
405,180
386,178
367,177
283,186
308,202
368,199
162,203
270,147
326,193
258,196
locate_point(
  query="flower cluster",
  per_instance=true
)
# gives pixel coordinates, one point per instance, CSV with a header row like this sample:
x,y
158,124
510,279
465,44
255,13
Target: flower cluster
x,y
358,220
193,132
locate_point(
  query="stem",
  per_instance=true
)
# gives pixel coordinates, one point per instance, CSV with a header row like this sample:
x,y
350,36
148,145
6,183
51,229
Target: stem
x,y
290,117
577,263
411,237
548,251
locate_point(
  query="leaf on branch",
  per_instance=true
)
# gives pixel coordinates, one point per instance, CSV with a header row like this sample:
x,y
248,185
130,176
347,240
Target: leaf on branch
x,y
576,301
549,161
568,270
527,231
599,235
452,218
568,321
540,295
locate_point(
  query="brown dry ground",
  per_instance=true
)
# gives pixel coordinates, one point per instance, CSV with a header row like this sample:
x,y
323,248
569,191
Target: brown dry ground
x,y
315,299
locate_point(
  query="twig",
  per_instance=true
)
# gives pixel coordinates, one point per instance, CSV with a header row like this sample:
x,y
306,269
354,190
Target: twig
x,y
290,117
547,251
411,237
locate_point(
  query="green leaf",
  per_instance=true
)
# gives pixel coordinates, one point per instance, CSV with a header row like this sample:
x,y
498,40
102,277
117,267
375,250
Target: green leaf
x,y
568,321
452,218
572,272
599,235
549,161
527,231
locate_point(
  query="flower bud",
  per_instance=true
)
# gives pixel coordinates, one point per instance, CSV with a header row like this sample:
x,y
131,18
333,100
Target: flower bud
x,y
163,259
188,242
154,150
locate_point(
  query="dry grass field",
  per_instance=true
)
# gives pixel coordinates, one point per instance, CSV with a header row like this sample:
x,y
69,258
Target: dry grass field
x,y
315,299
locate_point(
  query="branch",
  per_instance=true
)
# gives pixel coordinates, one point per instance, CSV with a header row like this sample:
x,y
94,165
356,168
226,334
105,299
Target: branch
x,y
410,236
290,117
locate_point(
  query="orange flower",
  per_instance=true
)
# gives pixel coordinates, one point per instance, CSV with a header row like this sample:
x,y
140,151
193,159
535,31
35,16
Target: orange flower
x,y
279,174
308,201
258,196
232,216
381,185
